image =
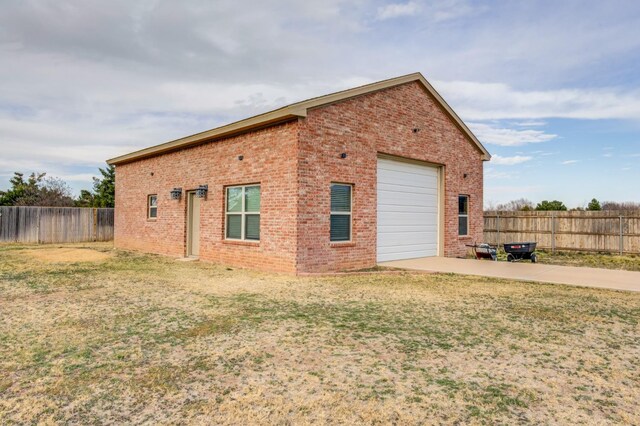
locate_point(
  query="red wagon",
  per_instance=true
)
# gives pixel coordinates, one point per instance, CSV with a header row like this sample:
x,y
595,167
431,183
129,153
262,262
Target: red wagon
x,y
484,251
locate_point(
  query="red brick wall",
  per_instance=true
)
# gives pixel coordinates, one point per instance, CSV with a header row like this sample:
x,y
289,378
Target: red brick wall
x,y
295,164
269,159
380,122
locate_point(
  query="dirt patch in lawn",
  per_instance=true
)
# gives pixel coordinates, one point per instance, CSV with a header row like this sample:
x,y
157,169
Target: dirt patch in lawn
x,y
66,254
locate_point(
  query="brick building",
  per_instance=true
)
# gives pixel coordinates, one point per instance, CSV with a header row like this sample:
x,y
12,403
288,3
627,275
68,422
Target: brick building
x,y
380,172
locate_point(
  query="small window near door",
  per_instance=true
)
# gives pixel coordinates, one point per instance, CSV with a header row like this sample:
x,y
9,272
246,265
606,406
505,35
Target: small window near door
x,y
243,213
152,207
340,212
463,215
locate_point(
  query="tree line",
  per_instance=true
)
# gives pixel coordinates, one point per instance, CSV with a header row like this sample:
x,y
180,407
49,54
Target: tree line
x,y
40,190
524,204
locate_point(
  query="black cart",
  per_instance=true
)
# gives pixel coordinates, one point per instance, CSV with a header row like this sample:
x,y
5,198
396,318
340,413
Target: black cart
x,y
521,251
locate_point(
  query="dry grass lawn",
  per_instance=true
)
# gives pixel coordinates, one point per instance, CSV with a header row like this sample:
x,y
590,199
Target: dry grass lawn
x,y
132,338
627,262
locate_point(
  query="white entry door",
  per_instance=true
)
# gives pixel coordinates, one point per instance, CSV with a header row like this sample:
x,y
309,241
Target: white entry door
x,y
193,225
407,210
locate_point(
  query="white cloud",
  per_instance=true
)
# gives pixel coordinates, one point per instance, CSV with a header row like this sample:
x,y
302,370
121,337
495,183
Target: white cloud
x,y
493,101
517,191
607,155
490,173
448,10
542,153
508,137
509,161
78,177
396,10
531,123
567,162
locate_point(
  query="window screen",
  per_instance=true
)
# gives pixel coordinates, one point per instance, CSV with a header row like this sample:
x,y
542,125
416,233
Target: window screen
x,y
463,215
340,212
243,213
152,206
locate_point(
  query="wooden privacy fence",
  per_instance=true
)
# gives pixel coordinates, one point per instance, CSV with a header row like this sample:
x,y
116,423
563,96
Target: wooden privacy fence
x,y
55,224
603,231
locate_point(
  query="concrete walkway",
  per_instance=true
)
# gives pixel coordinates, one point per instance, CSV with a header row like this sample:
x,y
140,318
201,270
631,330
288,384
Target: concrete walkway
x,y
526,271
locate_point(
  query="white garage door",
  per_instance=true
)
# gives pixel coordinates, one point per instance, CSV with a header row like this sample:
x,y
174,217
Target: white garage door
x,y
407,210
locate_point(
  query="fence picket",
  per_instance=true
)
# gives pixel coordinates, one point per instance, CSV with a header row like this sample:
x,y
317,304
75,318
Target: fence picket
x,y
55,224
604,231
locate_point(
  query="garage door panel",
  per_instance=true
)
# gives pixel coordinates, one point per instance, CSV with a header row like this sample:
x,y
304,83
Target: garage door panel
x,y
405,189
408,197
407,252
401,167
401,227
401,238
409,180
424,212
409,218
401,255
407,210
406,232
408,247
426,207
418,250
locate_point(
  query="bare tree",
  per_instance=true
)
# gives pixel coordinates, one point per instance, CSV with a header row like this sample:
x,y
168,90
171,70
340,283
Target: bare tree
x,y
616,205
521,204
55,193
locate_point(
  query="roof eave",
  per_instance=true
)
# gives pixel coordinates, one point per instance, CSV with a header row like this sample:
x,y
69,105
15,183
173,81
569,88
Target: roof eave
x,y
253,123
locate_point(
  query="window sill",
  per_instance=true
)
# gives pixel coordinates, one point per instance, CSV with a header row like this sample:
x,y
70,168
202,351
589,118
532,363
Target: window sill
x,y
242,243
465,237
150,219
337,244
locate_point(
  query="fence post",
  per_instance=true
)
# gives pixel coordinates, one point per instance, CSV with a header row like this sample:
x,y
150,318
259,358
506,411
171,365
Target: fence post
x,y
621,237
95,224
38,226
498,228
553,232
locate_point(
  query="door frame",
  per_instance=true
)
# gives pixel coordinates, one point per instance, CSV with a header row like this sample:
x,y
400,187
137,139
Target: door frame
x,y
441,220
190,196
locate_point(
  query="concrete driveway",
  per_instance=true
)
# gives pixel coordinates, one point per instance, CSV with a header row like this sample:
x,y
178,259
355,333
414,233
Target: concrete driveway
x,y
526,271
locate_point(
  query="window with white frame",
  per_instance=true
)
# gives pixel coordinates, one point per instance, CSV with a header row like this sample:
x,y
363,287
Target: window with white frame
x,y
243,213
341,195
152,206
463,215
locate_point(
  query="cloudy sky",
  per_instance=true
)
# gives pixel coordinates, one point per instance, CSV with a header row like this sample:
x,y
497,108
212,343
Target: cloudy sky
x,y
552,88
